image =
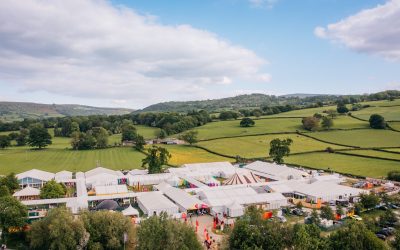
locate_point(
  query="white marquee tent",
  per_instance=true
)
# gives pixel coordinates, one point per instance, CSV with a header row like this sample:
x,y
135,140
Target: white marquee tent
x,y
154,202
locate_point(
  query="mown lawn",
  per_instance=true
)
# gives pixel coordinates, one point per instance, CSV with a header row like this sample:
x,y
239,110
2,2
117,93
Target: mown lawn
x,y
375,154
361,138
258,146
390,113
346,164
53,159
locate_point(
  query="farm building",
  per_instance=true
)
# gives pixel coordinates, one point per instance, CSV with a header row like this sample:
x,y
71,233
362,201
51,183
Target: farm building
x,y
34,178
273,171
154,203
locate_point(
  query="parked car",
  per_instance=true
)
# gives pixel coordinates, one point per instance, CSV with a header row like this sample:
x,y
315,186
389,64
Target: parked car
x,y
383,207
282,219
391,230
356,217
381,236
384,232
393,206
297,212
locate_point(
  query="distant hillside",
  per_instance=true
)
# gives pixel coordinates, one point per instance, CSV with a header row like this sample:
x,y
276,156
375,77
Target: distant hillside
x,y
237,102
13,111
258,100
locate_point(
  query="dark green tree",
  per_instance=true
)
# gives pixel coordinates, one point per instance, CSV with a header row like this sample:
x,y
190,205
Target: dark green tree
x,y
4,191
39,137
162,134
369,200
155,159
139,142
4,141
190,136
341,108
327,213
129,132
327,122
161,232
53,189
377,122
106,229
58,230
308,237
22,137
314,218
247,122
12,214
355,236
279,148
9,181
252,232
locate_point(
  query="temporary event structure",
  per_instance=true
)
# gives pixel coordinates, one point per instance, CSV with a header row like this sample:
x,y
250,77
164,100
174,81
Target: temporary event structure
x,y
130,211
28,193
242,176
155,203
181,198
274,171
113,189
34,178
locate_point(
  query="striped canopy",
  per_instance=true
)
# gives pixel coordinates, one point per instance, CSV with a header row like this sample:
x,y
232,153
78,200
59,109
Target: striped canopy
x,y
242,177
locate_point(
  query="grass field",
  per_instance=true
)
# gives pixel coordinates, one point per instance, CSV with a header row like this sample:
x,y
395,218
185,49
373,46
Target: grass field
x,y
232,128
345,164
383,103
258,146
393,149
54,160
395,125
182,154
375,154
304,112
361,138
390,113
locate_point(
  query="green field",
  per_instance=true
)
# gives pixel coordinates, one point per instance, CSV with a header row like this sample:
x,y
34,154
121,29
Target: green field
x,y
304,112
383,103
258,146
361,138
247,143
54,160
232,128
395,125
345,164
182,154
390,113
375,154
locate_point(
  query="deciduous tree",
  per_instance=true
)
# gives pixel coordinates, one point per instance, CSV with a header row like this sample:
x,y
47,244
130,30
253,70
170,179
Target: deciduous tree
x,y
39,137
247,122
190,136
52,190
377,122
155,159
279,148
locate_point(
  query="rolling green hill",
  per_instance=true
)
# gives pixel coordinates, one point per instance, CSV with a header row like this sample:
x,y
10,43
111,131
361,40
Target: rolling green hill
x,y
14,111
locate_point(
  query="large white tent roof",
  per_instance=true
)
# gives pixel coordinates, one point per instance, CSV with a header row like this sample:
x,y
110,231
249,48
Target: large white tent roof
x,y
36,174
101,170
180,197
155,201
275,171
63,175
28,191
113,189
149,179
129,211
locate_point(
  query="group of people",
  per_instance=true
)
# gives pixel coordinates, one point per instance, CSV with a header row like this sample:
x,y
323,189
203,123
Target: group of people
x,y
209,242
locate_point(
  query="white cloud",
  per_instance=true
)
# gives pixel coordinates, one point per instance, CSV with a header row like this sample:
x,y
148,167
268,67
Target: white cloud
x,y
374,31
92,49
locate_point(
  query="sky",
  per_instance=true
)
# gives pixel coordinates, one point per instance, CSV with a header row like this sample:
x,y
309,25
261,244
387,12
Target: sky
x,y
121,53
